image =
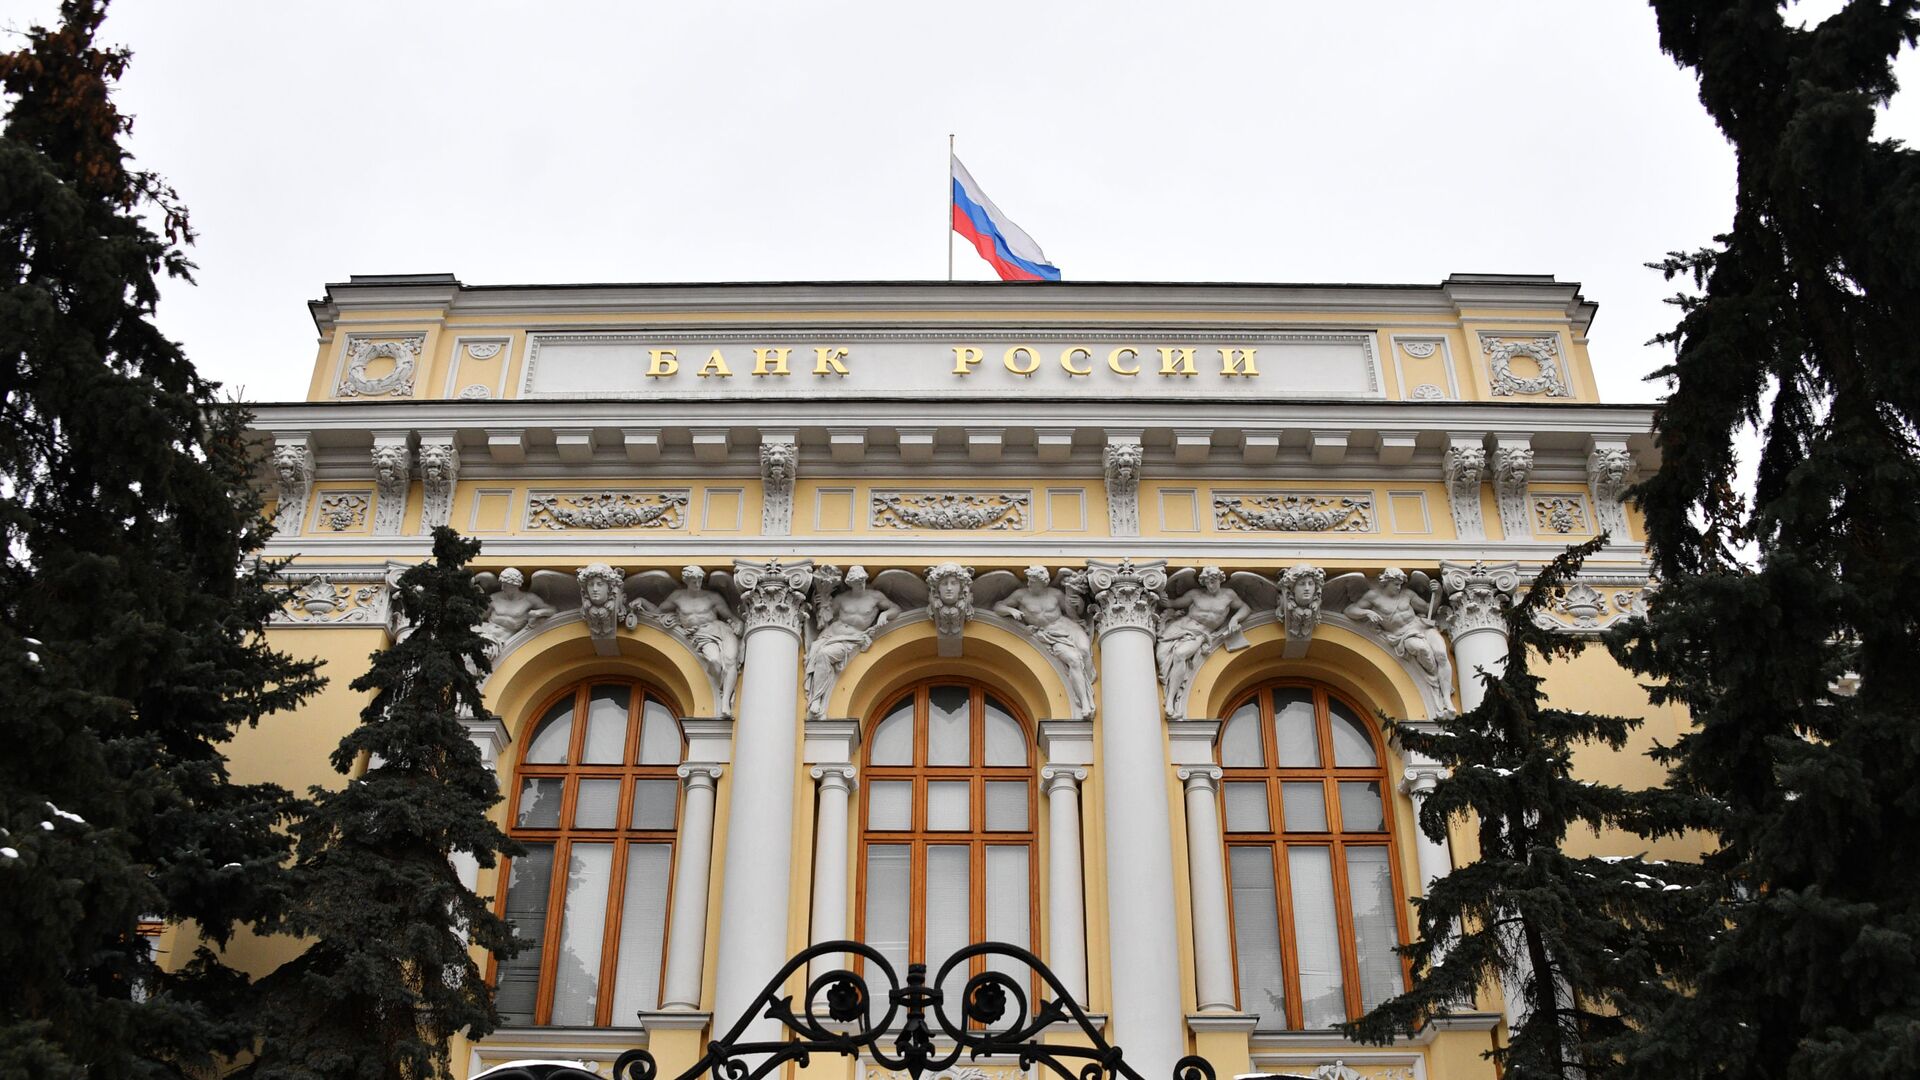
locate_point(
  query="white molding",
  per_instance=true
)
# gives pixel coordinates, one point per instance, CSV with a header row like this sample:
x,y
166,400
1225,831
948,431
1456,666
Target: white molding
x,y
1394,342
461,341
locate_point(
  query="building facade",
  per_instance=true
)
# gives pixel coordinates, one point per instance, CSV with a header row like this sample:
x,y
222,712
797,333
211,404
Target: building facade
x,y
932,613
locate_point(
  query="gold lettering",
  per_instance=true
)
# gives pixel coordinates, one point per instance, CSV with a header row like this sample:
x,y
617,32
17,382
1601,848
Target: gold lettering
x,y
827,361
964,359
1113,360
770,361
1033,360
716,365
1177,362
1238,362
661,363
1066,360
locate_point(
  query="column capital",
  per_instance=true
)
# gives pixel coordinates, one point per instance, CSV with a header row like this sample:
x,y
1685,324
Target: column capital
x,y
1418,780
835,774
773,594
1479,592
700,773
1126,594
1200,777
1066,777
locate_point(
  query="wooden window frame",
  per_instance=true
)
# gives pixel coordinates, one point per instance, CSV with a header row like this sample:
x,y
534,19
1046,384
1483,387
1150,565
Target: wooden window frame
x,y
622,836
1335,839
918,838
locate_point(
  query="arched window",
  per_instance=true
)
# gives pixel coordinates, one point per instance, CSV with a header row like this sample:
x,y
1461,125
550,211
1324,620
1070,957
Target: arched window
x,y
947,848
594,793
1310,858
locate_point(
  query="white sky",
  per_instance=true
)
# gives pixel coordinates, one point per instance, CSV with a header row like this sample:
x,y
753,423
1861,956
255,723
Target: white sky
x,y
677,141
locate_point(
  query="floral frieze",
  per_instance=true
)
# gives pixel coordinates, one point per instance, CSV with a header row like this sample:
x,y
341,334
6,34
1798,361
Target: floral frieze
x,y
343,511
1293,512
626,509
349,598
996,510
1561,514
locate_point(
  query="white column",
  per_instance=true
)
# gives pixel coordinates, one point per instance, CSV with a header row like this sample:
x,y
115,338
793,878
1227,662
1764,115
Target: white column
x,y
1478,594
1147,1015
687,943
1434,856
754,894
489,737
1207,882
1066,897
835,784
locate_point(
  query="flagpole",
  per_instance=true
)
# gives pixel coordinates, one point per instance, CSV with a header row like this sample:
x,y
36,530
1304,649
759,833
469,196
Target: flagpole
x,y
949,206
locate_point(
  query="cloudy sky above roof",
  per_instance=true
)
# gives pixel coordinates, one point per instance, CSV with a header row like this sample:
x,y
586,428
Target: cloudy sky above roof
x,y
509,143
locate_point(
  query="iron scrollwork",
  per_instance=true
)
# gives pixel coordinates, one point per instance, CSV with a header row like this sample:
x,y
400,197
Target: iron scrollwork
x,y
994,1019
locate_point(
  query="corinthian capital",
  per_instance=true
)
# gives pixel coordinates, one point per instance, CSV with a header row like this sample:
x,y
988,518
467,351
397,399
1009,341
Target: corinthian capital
x,y
1125,594
1479,593
773,593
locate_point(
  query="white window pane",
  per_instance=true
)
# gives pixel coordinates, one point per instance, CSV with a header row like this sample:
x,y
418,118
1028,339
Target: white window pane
x,y
949,726
1305,806
540,803
889,869
598,804
1297,735
1246,807
1370,886
1240,739
1006,806
659,736
1360,808
551,737
1352,745
1006,740
643,928
890,805
949,805
1316,933
655,803
893,737
1256,936
529,878
947,913
583,923
1009,903
606,742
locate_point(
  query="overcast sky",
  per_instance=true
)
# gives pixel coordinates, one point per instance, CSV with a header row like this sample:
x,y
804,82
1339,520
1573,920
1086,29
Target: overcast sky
x,y
558,142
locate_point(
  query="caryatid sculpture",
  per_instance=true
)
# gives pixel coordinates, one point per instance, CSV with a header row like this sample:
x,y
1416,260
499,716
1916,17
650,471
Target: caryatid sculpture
x,y
1402,609
702,617
510,607
1193,624
1052,616
846,621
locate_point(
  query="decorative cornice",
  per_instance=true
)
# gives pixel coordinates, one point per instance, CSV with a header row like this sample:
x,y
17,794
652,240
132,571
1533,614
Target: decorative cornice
x,y
439,471
1121,465
779,465
392,463
1512,466
773,594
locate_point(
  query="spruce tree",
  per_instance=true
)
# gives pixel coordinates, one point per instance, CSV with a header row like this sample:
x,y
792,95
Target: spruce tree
x,y
1801,323
130,609
1588,943
389,978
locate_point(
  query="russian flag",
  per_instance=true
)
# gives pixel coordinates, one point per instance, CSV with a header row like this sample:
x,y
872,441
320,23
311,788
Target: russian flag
x,y
1014,255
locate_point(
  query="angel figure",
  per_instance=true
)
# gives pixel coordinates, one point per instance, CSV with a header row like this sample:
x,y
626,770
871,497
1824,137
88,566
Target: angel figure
x,y
699,615
1388,607
510,608
1195,622
1052,616
846,623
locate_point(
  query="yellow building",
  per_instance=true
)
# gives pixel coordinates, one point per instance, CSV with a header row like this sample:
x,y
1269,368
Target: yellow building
x,y
951,664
